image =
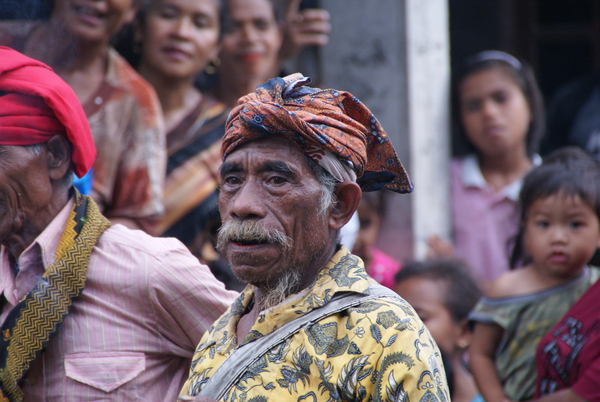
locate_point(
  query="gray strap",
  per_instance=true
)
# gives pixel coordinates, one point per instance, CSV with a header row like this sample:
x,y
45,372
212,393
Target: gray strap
x,y
243,357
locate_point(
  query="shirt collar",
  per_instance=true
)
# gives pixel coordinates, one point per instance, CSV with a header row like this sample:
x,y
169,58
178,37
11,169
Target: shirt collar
x,y
471,176
43,248
343,273
49,239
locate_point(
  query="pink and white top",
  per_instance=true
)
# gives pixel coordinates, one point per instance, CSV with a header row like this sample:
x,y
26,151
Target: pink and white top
x,y
483,220
132,332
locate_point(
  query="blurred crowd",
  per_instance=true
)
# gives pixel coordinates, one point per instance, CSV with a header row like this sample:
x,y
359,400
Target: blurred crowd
x,y
510,299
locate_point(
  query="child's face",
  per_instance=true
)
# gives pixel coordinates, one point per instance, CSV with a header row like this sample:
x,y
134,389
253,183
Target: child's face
x,y
494,111
370,222
93,20
561,235
426,297
251,41
180,37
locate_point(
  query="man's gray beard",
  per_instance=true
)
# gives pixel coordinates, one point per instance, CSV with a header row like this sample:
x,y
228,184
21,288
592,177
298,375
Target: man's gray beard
x,y
285,284
280,287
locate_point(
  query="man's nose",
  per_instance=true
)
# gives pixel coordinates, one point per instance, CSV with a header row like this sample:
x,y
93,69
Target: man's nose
x,y
248,202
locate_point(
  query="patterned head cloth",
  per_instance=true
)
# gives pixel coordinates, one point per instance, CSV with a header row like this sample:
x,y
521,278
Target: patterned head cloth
x,y
333,128
36,104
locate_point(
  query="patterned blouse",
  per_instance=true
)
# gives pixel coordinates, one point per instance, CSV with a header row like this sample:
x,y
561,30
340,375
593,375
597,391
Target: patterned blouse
x,y
379,350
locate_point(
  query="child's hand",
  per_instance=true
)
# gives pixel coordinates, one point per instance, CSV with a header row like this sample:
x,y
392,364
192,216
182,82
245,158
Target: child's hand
x,y
438,247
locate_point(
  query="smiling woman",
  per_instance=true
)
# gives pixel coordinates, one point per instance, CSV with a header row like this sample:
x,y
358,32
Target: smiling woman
x,y
176,40
122,109
252,38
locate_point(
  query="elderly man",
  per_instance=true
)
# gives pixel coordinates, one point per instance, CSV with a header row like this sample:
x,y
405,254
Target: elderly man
x,y
312,325
89,312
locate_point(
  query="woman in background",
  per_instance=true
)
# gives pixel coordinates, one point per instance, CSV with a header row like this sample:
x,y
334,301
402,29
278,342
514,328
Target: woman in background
x,y
257,36
175,40
498,112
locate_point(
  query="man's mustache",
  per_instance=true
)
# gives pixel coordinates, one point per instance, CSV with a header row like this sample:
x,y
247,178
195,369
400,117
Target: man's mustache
x,y
250,232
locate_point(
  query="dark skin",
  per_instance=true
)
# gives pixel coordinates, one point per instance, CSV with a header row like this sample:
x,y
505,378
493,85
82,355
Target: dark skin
x,y
31,193
268,180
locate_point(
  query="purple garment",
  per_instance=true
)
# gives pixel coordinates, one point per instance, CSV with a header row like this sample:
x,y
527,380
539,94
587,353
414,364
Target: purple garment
x,y
483,220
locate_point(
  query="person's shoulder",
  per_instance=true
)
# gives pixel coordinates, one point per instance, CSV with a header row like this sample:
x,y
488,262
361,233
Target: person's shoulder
x,y
139,242
388,312
512,284
125,76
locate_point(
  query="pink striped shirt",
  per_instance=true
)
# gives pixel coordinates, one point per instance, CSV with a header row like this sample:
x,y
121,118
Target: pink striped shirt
x,y
132,332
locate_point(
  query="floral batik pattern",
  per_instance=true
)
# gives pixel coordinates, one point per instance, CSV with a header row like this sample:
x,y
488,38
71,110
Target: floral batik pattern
x,y
376,351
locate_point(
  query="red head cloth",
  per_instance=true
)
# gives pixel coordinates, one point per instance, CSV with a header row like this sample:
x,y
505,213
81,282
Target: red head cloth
x,y
36,104
318,120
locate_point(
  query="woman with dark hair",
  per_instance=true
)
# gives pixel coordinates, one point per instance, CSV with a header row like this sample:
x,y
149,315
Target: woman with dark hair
x,y
498,114
257,36
174,40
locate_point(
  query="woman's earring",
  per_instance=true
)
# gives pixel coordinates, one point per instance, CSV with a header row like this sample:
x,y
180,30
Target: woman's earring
x,y
212,66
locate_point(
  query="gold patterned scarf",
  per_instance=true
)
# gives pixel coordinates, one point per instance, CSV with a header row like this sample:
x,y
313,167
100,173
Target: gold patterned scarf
x,y
29,326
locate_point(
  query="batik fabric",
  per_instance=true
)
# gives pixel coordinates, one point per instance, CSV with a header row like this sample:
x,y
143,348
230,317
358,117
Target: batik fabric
x,y
319,121
569,355
191,187
377,351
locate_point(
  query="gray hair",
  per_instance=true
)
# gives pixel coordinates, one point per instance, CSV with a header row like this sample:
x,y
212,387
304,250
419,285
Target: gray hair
x,y
327,182
36,149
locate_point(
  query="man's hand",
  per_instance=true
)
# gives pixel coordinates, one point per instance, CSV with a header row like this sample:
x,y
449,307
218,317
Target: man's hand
x,y
308,27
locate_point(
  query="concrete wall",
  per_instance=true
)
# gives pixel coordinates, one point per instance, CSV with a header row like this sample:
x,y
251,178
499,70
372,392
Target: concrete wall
x,y
369,54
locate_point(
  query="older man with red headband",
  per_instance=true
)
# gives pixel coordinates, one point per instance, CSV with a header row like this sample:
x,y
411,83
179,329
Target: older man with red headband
x,y
311,325
89,312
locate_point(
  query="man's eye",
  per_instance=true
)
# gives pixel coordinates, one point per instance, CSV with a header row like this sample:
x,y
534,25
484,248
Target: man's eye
x,y
232,180
542,224
277,180
576,224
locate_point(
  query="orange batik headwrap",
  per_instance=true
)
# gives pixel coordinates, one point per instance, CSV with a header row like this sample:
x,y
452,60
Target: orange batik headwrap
x,y
322,123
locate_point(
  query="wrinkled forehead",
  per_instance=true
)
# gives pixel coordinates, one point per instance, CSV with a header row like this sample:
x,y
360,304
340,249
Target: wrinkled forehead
x,y
267,153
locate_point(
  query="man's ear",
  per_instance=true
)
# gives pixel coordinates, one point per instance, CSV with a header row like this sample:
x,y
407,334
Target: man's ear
x,y
59,156
348,195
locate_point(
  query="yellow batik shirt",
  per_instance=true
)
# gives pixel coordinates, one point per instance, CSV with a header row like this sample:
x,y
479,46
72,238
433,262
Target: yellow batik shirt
x,y
376,351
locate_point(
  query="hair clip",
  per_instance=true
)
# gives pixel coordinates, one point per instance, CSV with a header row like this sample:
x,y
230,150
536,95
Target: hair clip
x,y
496,55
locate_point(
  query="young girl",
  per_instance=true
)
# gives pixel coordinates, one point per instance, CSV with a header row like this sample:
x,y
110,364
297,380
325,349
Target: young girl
x,y
443,294
498,112
559,231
